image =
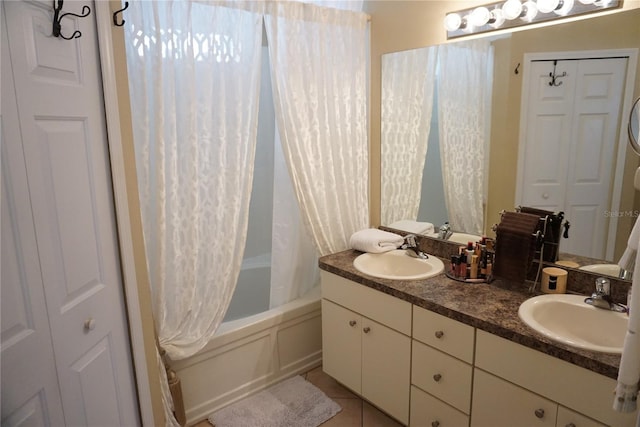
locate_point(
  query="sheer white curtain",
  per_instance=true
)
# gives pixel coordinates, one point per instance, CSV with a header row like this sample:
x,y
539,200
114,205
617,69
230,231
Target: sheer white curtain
x,y
407,103
319,83
194,73
294,259
464,92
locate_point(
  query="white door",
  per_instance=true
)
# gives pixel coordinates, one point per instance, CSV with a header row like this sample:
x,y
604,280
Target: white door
x,y
30,393
574,123
62,134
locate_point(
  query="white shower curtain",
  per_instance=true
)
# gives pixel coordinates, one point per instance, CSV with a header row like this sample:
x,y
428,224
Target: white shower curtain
x,y
194,79
463,96
319,82
407,102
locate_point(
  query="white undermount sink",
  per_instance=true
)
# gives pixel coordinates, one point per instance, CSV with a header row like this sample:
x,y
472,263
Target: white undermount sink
x,y
398,265
569,320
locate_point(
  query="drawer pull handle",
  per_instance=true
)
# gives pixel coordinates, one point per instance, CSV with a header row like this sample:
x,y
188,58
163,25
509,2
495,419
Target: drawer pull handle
x,y
437,377
366,329
539,413
439,334
352,323
570,425
435,424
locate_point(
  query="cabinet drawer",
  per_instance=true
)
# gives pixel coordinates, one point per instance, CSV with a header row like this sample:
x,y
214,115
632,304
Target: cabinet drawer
x,y
498,403
569,418
448,335
390,311
441,375
427,411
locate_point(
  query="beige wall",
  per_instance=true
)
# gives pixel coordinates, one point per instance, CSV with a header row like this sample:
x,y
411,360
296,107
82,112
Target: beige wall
x,y
402,25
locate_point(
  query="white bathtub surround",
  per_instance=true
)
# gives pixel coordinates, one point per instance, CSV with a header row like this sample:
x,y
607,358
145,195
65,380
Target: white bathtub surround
x,y
250,354
320,95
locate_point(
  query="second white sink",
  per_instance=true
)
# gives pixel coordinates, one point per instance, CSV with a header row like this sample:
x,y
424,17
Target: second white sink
x,y
569,320
398,265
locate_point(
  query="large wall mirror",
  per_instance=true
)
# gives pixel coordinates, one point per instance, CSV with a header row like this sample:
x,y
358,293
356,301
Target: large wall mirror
x,y
535,80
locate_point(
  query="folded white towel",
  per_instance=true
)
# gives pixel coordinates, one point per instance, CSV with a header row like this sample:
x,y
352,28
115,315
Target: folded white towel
x,y
629,373
375,241
411,226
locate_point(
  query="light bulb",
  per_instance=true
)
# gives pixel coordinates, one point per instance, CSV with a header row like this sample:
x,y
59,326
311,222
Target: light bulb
x,y
480,16
452,21
497,16
546,6
531,10
587,1
565,7
512,9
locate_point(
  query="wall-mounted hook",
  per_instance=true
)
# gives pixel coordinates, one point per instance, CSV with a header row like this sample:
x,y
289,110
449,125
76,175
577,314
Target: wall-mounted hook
x,y
554,77
57,18
115,15
517,70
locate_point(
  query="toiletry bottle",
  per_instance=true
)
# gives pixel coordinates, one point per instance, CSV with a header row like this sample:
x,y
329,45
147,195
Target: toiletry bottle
x,y
463,266
474,267
470,252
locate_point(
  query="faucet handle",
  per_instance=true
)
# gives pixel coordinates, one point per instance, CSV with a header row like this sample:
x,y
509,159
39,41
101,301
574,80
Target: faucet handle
x,y
603,286
410,240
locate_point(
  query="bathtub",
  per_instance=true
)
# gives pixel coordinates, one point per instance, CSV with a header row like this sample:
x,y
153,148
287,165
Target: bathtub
x,y
247,355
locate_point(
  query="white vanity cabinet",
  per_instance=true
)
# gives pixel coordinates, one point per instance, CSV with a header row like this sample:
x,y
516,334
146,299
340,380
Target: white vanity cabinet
x,y
366,343
514,385
425,369
441,370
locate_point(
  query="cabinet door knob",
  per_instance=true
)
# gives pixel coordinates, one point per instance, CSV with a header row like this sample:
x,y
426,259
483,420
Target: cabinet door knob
x,y
437,377
90,324
435,424
439,334
352,323
539,413
366,329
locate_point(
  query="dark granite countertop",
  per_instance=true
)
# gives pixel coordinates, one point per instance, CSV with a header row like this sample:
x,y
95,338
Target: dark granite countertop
x,y
490,307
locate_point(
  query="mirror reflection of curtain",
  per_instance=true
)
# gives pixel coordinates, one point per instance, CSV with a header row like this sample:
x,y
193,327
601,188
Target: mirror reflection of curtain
x,y
463,100
319,86
407,101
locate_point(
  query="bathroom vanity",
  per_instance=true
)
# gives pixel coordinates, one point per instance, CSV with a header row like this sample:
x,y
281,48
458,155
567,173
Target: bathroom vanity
x,y
437,352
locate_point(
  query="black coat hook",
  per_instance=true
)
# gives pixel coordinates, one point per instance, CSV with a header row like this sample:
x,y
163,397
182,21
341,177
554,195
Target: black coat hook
x,y
57,18
517,70
554,77
115,15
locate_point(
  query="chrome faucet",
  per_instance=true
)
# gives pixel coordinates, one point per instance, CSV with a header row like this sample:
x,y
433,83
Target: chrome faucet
x,y
601,298
444,232
411,245
625,274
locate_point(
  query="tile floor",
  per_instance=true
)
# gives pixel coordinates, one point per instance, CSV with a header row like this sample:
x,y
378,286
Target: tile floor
x,y
355,412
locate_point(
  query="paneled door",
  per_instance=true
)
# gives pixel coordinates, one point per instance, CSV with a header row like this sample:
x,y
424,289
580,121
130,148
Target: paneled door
x,y
58,231
569,146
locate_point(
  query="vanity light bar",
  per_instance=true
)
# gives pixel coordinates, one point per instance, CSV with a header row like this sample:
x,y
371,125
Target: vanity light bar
x,y
515,13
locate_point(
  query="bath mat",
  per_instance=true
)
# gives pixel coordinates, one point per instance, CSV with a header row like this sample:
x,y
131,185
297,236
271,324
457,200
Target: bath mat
x,y
291,403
